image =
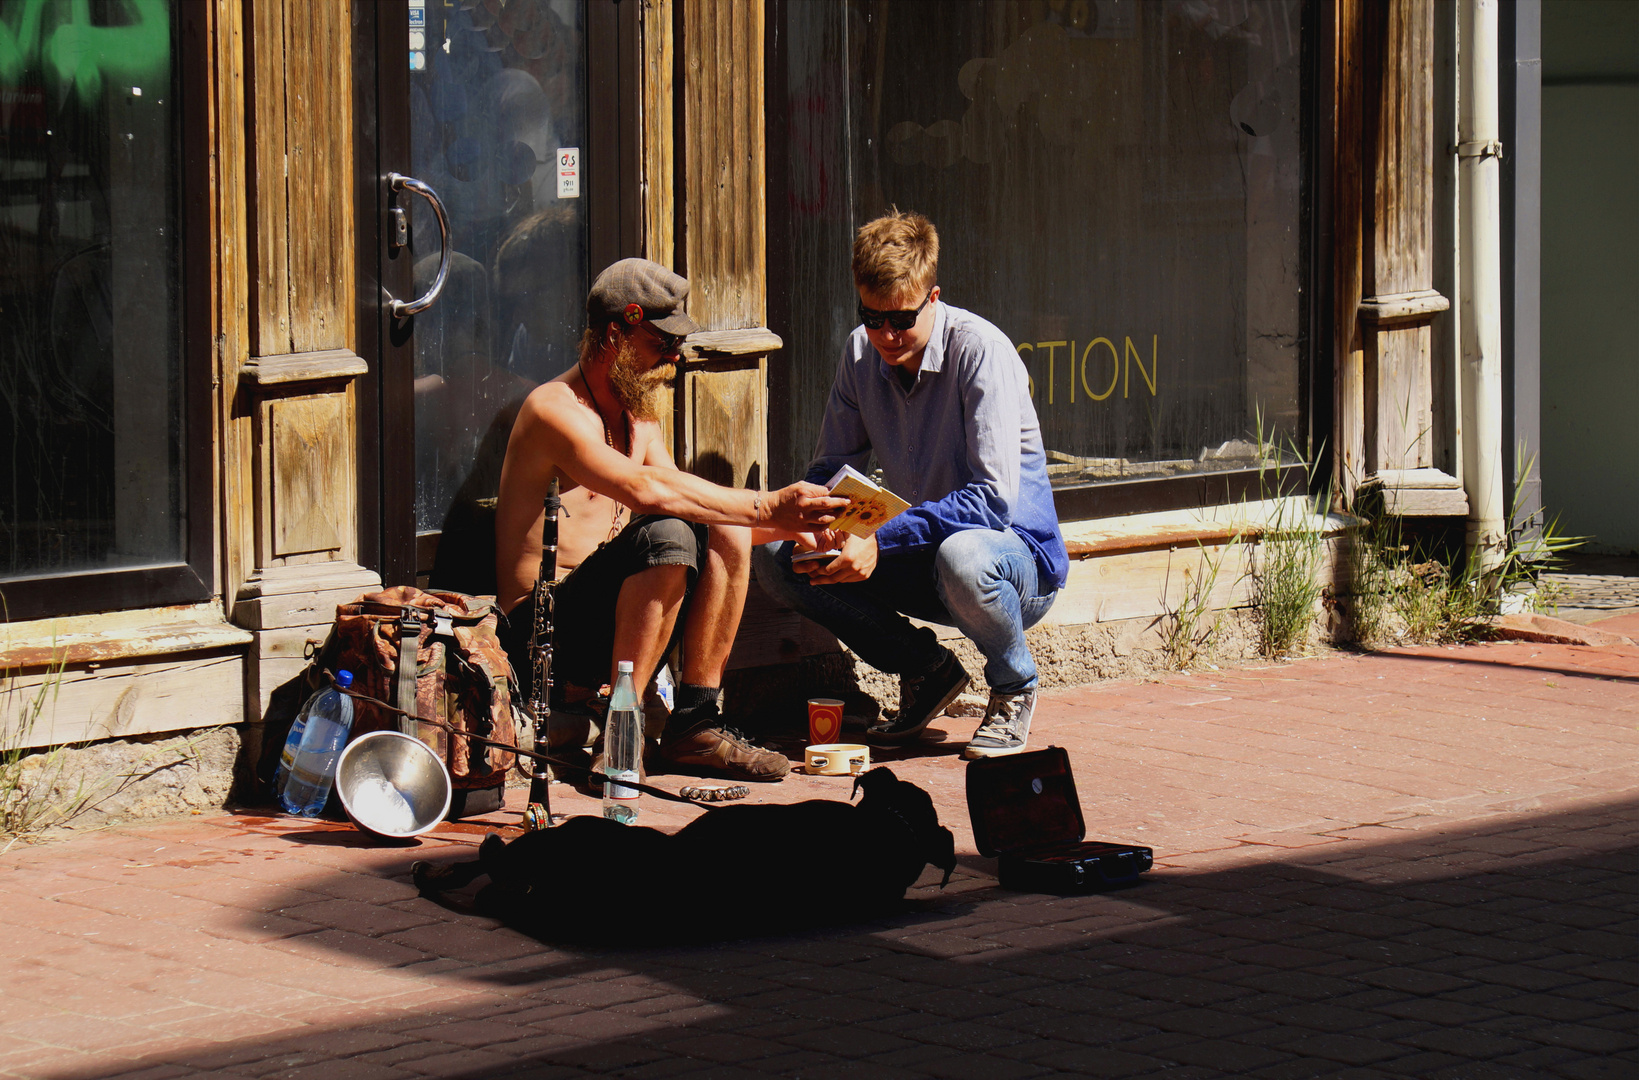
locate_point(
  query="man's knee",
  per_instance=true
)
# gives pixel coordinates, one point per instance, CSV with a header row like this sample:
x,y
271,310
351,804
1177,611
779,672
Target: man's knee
x,y
731,544
965,558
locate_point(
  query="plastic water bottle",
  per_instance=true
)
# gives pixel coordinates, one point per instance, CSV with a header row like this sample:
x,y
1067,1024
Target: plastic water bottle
x,y
329,720
622,749
293,741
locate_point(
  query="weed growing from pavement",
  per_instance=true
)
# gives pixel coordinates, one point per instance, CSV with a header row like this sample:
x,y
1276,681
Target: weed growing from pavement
x,y
1286,585
1412,591
29,776
42,787
1190,630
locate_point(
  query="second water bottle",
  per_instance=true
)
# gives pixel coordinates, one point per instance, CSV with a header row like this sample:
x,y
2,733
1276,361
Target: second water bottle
x,y
313,771
622,749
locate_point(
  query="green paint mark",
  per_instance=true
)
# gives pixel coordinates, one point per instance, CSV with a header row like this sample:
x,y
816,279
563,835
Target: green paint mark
x,y
79,54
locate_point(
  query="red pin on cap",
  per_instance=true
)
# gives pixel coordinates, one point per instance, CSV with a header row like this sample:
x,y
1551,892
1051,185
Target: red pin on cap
x,y
633,313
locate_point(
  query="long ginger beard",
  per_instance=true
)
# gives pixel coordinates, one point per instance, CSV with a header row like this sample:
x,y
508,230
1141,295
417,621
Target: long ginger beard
x,y
638,391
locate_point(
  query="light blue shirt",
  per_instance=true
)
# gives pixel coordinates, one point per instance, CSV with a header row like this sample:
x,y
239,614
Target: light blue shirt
x,y
962,445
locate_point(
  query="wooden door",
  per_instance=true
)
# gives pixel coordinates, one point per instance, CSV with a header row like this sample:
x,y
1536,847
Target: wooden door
x,y
495,189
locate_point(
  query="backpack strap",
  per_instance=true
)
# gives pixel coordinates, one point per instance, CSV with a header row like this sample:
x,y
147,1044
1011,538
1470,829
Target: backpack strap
x,y
409,638
455,658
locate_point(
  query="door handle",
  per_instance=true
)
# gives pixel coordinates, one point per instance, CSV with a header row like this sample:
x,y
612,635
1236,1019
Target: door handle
x,y
400,309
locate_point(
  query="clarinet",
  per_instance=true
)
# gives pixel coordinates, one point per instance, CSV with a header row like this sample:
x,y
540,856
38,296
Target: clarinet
x,y
538,814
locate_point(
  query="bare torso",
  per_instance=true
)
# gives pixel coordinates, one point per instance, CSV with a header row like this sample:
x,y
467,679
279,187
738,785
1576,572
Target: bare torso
x,y
557,414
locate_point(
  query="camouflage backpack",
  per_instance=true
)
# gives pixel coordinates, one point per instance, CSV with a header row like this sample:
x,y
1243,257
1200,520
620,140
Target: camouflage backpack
x,y
457,674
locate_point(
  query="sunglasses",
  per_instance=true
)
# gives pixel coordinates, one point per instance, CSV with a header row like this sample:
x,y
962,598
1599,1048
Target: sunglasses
x,y
899,320
669,342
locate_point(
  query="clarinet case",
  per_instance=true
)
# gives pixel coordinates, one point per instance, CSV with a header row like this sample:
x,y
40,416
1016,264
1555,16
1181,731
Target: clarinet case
x,y
1026,815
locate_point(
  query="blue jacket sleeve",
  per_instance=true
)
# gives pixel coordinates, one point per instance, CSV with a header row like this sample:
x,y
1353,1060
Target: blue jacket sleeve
x,y
992,389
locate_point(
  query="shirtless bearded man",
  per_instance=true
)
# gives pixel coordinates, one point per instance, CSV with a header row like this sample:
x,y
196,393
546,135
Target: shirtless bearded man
x,y
647,553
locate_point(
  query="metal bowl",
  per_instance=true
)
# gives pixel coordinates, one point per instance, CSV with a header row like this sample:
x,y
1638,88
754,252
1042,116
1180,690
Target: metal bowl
x,y
392,785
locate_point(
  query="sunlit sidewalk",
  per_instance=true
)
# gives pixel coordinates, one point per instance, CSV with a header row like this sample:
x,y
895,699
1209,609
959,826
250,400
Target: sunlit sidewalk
x,y
1418,863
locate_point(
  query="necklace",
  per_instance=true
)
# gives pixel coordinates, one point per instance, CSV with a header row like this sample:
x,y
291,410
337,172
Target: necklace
x,y
609,438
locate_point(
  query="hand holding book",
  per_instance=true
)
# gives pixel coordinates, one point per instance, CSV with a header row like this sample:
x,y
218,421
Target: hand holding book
x,y
870,506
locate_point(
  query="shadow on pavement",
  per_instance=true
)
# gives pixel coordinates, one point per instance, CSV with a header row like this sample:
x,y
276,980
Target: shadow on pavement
x,y
1503,950
1588,671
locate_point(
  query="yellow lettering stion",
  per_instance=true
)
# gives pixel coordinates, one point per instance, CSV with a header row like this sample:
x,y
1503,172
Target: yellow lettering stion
x,y
1149,376
1120,366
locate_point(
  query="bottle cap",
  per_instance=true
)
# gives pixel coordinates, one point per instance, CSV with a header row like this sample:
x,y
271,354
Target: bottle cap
x,y
624,667
344,679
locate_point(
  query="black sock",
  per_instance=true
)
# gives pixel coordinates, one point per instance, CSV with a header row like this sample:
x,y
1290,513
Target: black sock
x,y
692,703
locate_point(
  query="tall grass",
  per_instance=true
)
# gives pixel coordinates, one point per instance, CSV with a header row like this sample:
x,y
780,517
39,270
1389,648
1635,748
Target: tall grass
x,y
1286,585
1190,629
1414,591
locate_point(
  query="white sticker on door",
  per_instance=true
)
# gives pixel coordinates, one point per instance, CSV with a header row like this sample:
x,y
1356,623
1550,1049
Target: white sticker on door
x,y
568,172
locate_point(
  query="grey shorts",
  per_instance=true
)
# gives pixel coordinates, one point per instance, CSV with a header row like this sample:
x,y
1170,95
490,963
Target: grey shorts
x,y
584,602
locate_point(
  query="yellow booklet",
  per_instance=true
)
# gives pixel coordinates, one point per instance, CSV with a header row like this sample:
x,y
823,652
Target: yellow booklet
x,y
870,506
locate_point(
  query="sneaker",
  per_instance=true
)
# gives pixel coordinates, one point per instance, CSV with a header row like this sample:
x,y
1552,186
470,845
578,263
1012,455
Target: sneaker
x,y
1005,728
723,750
921,698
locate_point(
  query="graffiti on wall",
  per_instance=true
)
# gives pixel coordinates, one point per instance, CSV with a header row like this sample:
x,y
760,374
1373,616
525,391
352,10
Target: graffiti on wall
x,y
58,38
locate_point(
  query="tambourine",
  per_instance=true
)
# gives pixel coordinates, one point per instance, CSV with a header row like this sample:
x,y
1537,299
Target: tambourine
x,y
836,759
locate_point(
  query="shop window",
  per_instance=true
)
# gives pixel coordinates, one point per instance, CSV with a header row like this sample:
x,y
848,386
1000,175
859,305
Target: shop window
x,y
96,441
1117,186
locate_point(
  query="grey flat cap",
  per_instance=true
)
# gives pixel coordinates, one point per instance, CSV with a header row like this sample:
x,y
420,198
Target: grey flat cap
x,y
637,290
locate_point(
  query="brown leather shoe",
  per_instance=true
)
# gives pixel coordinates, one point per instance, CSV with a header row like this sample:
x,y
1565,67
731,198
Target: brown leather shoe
x,y
724,750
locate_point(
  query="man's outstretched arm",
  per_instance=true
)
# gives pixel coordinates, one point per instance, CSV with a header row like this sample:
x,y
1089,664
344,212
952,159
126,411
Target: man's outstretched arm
x,y
575,442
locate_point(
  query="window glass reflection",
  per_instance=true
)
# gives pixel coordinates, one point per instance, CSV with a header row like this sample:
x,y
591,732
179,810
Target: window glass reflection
x,y
91,451
1117,187
498,90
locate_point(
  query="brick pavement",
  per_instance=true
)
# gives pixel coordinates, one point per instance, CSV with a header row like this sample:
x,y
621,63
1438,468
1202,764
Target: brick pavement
x,y
1411,864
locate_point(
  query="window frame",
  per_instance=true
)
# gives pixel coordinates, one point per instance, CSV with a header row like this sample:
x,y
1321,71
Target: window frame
x,y
190,579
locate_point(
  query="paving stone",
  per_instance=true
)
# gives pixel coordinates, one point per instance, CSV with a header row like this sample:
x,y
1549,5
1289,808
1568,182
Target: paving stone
x,y
1446,889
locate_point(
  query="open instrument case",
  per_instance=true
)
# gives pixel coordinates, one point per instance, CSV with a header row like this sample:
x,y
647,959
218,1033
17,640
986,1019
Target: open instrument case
x,y
1026,814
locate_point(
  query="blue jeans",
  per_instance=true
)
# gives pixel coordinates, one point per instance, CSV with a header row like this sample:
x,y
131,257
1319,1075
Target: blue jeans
x,y
981,581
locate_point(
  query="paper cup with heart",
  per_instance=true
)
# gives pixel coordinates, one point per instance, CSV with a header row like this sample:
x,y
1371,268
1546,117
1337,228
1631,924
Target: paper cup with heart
x,y
824,720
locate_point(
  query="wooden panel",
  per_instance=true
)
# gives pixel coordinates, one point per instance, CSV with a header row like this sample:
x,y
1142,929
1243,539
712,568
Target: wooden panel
x,y
309,474
1399,400
1400,126
724,239
657,154
726,432
117,700
771,633
330,364
1150,583
116,635
269,204
1398,266
302,128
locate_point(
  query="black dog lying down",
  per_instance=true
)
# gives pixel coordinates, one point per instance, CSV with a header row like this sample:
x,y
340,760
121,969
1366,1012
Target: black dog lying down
x,y
733,871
